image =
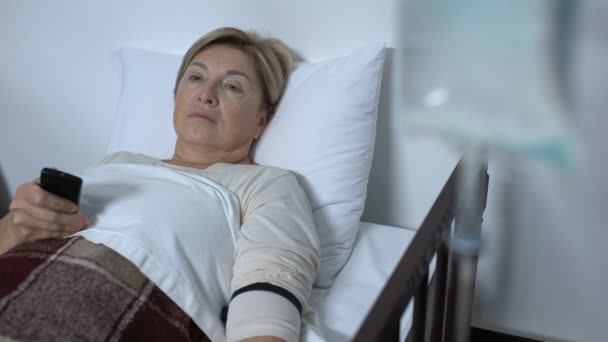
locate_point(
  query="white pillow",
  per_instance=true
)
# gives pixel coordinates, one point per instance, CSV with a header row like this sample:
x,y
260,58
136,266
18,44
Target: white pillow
x,y
323,131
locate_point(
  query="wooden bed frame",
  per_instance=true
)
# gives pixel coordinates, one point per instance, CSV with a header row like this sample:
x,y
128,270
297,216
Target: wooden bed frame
x,y
442,307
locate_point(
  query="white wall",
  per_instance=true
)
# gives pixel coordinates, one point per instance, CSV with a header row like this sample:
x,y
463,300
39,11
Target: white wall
x,y
59,89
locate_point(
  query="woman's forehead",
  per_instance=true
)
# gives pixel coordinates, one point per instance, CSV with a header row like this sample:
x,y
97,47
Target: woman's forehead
x,y
224,58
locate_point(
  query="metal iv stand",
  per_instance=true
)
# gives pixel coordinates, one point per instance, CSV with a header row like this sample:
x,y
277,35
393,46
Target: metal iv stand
x,y
465,242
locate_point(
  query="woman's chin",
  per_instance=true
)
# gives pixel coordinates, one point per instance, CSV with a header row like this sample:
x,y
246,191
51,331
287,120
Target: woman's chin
x,y
198,137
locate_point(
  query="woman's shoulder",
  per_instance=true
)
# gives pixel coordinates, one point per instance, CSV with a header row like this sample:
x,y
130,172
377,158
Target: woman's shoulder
x,y
261,174
271,171
248,181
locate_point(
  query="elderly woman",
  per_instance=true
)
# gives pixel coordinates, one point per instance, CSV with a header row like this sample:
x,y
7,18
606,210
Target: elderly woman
x,y
228,88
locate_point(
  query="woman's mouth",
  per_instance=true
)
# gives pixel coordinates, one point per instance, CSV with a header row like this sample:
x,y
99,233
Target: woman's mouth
x,y
202,116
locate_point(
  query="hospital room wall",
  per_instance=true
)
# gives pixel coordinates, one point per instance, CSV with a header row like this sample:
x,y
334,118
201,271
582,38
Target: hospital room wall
x,y
60,88
543,271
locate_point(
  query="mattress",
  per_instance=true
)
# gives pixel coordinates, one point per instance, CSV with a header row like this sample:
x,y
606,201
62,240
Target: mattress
x,y
341,309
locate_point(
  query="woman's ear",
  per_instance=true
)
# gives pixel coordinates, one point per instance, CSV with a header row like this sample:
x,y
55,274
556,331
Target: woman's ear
x,y
263,121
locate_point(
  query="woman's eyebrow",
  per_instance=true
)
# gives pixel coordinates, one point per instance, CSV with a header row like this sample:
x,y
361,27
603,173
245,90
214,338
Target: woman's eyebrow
x,y
238,72
229,72
199,64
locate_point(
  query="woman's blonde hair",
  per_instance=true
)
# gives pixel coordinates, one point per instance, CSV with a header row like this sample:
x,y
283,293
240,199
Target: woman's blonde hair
x,y
272,58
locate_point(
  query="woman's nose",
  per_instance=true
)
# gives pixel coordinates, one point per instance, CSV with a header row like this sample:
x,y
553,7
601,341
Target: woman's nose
x,y
208,95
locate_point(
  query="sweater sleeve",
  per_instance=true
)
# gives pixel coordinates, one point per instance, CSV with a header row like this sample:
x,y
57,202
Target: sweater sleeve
x,y
276,255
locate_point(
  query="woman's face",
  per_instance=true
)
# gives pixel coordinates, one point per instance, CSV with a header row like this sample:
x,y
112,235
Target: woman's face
x,y
218,103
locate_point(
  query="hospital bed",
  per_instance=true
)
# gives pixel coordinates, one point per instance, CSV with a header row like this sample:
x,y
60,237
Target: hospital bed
x,y
389,265
381,291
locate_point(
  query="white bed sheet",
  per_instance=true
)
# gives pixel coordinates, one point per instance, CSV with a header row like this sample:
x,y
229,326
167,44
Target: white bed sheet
x,y
342,308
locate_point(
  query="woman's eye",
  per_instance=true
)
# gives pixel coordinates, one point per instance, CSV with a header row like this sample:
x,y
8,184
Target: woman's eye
x,y
194,78
233,87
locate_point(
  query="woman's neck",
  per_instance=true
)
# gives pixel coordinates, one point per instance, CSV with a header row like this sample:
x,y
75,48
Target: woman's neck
x,y
202,159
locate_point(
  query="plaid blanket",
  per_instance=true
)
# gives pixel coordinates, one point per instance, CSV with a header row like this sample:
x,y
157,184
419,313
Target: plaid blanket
x,y
75,290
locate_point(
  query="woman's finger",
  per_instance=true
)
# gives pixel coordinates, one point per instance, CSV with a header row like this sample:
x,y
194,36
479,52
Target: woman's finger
x,y
69,221
31,234
38,196
23,219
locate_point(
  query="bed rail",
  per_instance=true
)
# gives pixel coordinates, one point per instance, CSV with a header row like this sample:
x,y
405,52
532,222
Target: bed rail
x,y
410,278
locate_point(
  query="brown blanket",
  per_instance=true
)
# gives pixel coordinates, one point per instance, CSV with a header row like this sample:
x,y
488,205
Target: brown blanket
x,y
75,290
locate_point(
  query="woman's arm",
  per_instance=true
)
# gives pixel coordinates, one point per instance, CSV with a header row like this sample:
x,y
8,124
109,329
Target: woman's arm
x,y
276,260
7,240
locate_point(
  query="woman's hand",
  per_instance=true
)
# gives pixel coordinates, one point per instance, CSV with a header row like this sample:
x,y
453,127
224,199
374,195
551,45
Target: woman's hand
x,y
36,214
